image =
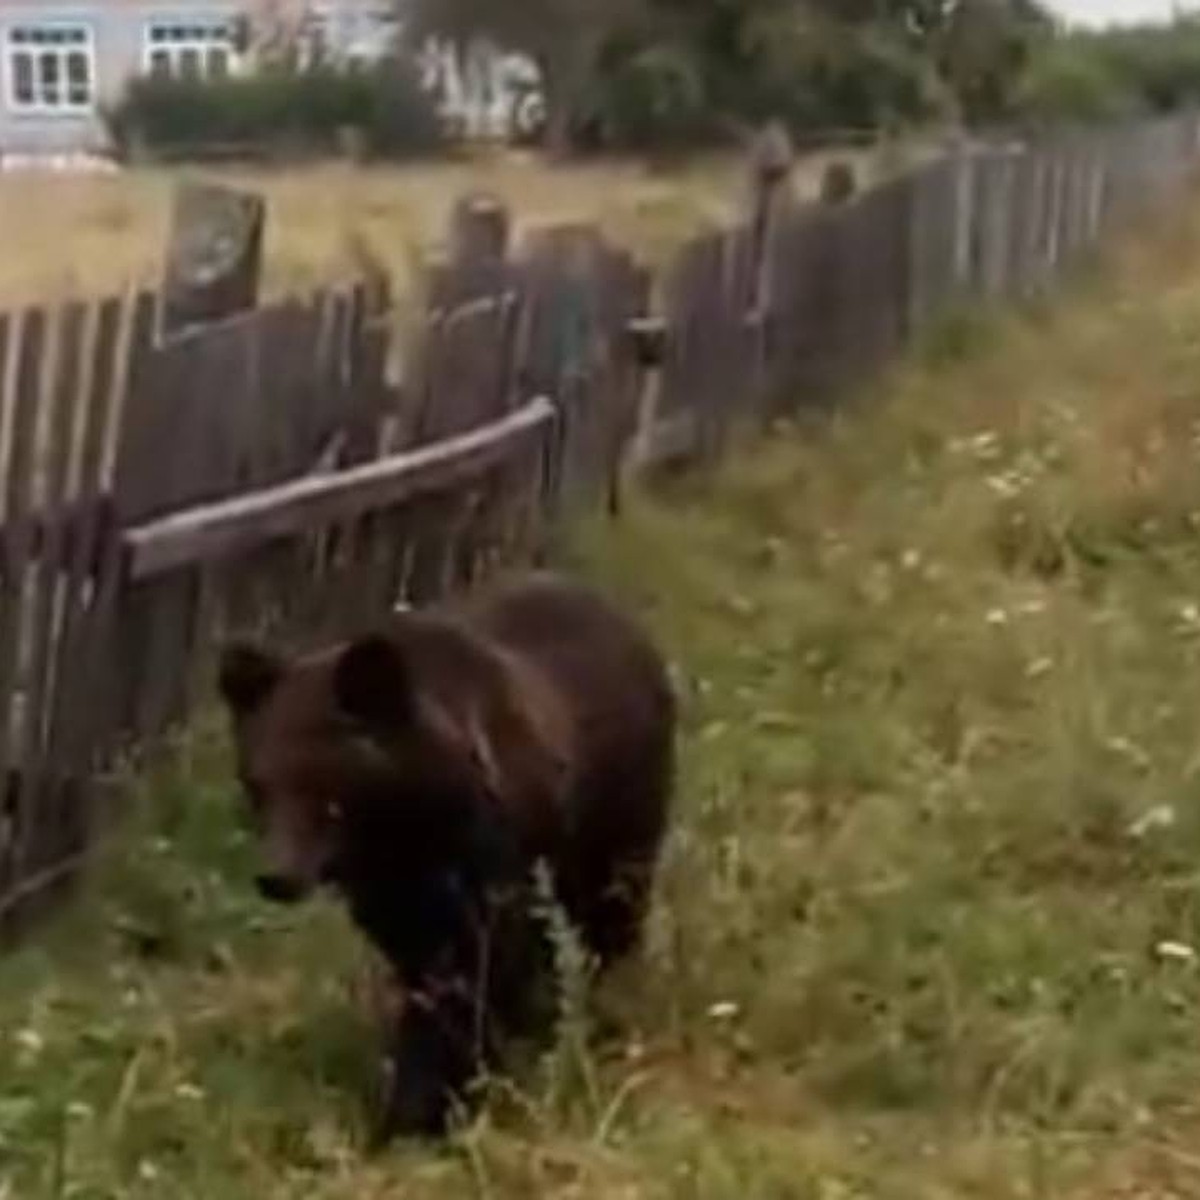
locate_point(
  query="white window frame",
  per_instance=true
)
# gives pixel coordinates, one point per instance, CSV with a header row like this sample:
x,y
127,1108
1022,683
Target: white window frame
x,y
21,39
176,38
317,44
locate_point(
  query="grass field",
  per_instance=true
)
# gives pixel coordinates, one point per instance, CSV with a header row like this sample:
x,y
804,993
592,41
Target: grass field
x,y
91,233
930,925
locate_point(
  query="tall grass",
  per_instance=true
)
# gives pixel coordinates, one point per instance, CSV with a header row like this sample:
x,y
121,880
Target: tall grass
x,y
930,921
91,235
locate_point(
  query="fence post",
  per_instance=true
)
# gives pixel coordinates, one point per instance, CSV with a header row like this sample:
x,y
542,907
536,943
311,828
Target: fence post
x,y
771,162
475,263
479,229
962,155
838,184
214,255
995,222
213,271
770,167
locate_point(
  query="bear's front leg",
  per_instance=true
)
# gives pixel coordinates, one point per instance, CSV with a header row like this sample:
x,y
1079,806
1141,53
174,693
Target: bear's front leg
x,y
434,1058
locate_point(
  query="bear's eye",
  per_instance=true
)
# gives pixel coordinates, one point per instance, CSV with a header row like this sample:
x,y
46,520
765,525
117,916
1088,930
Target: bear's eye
x,y
333,810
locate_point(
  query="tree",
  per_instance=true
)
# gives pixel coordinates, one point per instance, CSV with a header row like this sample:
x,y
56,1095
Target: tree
x,y
565,38
855,61
979,50
983,49
647,71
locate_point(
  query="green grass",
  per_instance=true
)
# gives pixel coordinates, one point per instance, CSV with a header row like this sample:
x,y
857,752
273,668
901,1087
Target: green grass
x,y
930,919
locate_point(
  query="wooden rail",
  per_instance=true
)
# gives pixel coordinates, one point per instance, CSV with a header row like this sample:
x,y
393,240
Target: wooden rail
x,y
214,531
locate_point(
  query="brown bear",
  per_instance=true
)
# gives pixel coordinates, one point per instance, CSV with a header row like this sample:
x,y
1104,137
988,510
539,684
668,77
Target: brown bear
x,y
425,769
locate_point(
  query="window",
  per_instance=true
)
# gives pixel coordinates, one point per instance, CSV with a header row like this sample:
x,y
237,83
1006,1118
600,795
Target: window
x,y
49,67
314,41
189,50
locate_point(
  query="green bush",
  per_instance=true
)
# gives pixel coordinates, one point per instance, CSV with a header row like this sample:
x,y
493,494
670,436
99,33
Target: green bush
x,y
654,98
1162,64
1069,81
278,112
1107,75
668,94
821,77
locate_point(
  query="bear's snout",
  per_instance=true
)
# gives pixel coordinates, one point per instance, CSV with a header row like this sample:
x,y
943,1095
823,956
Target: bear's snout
x,y
281,889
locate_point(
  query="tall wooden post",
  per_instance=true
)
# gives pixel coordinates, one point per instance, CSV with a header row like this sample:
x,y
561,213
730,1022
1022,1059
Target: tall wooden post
x,y
214,256
838,183
476,263
479,228
770,167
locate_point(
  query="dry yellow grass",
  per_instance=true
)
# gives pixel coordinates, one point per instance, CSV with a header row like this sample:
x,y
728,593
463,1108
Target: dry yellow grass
x,y
92,233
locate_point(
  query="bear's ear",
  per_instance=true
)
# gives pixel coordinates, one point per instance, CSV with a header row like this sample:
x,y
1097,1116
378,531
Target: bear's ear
x,y
371,683
247,676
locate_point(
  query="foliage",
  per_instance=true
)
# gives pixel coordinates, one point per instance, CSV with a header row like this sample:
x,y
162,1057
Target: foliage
x,y
828,76
982,49
652,97
277,109
1161,64
648,71
645,73
1101,76
773,59
1068,81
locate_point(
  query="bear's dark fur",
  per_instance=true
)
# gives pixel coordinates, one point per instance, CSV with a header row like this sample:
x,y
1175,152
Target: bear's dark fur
x,y
424,770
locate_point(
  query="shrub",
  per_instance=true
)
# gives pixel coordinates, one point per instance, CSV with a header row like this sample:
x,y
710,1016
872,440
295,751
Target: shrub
x,y
278,111
655,98
1069,80
1161,63
1106,75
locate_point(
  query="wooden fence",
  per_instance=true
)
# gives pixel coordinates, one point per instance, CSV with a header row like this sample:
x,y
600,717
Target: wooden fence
x,y
161,487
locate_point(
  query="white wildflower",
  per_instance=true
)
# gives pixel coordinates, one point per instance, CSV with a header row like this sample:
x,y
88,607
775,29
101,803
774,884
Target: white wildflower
x,y
723,1010
1160,817
986,446
30,1041
1179,952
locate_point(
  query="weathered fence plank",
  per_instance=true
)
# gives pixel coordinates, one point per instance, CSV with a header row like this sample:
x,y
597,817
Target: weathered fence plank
x,y
74,715
47,785
224,527
27,398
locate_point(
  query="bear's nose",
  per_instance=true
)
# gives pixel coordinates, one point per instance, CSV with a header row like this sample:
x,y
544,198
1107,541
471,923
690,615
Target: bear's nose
x,y
282,889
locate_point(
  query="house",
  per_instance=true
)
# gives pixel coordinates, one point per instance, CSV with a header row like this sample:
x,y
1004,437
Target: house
x,y
62,62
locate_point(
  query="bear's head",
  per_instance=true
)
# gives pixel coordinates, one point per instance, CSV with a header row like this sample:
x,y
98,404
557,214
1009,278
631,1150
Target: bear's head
x,y
399,753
